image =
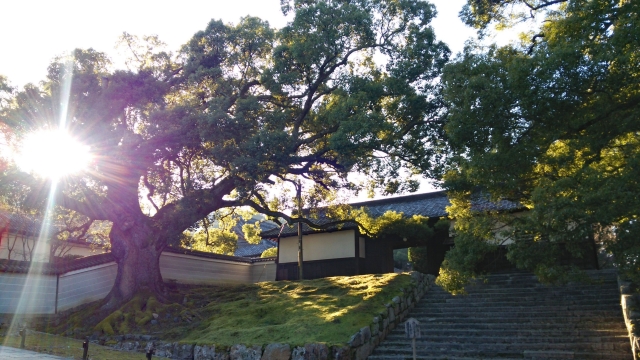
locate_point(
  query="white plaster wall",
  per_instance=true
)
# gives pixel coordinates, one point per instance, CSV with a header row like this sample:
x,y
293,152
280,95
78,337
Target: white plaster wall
x,y
36,294
86,285
263,271
333,245
27,294
40,253
187,269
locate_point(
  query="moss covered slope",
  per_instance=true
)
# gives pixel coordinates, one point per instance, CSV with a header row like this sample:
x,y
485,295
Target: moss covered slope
x,y
327,310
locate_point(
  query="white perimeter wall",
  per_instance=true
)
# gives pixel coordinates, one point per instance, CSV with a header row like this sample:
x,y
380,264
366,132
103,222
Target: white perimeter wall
x,y
21,294
333,245
263,271
188,269
85,285
36,293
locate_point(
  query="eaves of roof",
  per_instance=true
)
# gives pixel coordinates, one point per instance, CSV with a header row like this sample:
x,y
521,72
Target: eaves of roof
x,y
19,224
54,268
432,205
214,256
253,250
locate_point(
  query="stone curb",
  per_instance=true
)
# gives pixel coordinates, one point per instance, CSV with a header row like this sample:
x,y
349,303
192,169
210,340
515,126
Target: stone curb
x,y
360,345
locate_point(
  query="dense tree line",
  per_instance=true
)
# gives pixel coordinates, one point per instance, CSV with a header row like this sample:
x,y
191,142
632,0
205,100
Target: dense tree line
x,y
552,123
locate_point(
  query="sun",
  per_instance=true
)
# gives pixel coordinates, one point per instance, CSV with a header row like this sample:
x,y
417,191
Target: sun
x,y
52,154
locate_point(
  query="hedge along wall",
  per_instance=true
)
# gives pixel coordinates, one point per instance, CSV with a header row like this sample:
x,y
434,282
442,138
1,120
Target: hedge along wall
x,y
55,287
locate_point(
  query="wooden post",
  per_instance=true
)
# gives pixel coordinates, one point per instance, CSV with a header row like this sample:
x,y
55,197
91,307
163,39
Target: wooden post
x,y
23,336
412,331
85,349
300,256
149,350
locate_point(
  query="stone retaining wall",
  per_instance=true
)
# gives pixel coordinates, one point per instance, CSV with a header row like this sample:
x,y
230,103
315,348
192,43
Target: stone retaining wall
x,y
359,346
630,301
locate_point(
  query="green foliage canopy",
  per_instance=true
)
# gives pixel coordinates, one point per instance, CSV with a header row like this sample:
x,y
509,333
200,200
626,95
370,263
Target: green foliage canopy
x,y
552,123
343,87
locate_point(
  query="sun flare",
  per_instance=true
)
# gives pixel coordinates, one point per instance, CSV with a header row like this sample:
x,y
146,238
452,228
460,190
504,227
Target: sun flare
x,y
52,154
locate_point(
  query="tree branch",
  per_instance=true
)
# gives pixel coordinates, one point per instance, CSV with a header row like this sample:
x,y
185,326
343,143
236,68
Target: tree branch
x,y
534,42
543,5
152,190
91,208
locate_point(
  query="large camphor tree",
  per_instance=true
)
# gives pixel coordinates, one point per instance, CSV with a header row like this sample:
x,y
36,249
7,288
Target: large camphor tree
x,y
345,86
554,124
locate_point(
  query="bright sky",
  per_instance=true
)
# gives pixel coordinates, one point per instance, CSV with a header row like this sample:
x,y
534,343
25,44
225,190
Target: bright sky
x,y
34,32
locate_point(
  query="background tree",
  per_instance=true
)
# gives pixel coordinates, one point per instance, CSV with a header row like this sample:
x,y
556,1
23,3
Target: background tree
x,y
270,252
240,107
219,232
70,228
552,123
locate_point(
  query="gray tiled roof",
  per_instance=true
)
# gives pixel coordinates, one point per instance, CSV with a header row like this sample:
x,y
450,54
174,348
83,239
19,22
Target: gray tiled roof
x,y
21,224
321,220
58,267
254,250
206,254
431,204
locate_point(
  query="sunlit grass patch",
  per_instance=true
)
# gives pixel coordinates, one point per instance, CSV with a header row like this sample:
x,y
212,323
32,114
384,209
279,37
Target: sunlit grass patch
x,y
326,310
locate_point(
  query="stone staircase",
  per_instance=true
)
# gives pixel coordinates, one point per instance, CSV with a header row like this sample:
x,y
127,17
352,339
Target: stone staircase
x,y
513,316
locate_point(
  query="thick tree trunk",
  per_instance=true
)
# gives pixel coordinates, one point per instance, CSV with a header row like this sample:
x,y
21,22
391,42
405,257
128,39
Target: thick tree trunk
x,y
136,250
137,240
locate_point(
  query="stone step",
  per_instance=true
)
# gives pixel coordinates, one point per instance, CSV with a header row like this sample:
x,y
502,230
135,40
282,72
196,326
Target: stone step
x,y
534,295
527,355
591,321
437,338
513,316
593,275
491,307
530,290
526,344
519,330
533,280
524,300
515,346
409,356
562,355
533,325
524,313
405,352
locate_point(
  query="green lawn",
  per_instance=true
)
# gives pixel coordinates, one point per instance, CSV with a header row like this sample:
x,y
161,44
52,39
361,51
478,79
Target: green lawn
x,y
66,347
